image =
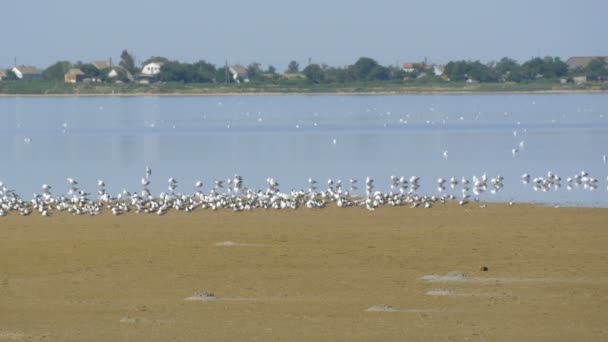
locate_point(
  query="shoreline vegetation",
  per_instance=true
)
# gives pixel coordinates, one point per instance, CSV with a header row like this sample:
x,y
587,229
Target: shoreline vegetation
x,y
50,88
161,76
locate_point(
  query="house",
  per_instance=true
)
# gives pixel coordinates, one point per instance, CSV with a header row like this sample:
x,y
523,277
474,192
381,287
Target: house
x,y
409,67
579,79
438,70
117,71
239,73
2,74
74,76
581,62
24,72
101,65
149,73
151,69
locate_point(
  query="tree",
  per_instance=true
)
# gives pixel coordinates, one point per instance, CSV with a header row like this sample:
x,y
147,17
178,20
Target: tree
x,y
547,67
337,75
206,71
396,73
128,62
481,72
57,71
156,59
314,73
531,69
378,73
90,70
560,67
457,70
293,68
10,75
597,69
271,70
362,68
199,72
222,75
254,71
505,67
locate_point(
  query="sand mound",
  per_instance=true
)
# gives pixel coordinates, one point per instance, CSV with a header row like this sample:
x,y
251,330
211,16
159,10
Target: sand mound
x,y
442,292
131,320
450,276
381,308
202,296
236,244
388,308
5,335
228,244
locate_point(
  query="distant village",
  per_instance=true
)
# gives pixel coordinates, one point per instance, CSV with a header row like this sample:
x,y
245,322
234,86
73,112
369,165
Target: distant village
x,y
576,70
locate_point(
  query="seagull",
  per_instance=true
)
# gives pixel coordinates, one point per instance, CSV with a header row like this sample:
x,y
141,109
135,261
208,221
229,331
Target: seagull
x,y
148,171
514,152
445,154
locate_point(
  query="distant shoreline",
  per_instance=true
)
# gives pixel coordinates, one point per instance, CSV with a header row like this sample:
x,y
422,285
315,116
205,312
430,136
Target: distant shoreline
x,y
337,93
61,89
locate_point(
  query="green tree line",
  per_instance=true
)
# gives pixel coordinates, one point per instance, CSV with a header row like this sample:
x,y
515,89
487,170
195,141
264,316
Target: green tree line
x,y
364,69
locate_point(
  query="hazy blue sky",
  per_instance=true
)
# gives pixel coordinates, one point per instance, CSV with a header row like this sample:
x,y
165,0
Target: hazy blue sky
x,y
336,32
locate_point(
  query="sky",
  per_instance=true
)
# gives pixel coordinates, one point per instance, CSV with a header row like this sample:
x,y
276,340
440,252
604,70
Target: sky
x,y
274,32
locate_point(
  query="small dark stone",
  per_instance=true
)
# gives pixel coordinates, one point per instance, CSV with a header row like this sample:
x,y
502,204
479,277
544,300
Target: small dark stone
x,y
485,269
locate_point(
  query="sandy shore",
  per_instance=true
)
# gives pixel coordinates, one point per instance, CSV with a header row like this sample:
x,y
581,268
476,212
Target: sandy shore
x,y
396,274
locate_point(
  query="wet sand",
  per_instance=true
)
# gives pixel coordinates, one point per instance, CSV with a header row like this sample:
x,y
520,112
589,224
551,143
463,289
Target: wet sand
x,y
395,274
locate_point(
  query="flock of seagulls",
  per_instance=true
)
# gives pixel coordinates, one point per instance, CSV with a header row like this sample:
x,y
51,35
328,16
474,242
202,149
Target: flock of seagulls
x,y
554,181
234,195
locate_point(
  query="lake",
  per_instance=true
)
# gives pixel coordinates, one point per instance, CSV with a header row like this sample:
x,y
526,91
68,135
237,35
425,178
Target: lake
x,y
292,138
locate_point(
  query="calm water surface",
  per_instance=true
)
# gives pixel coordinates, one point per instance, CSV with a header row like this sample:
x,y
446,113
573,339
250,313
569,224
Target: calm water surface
x,y
291,138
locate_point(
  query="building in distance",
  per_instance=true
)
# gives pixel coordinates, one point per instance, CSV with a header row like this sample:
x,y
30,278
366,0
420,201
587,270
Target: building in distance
x,y
239,73
24,72
582,62
74,76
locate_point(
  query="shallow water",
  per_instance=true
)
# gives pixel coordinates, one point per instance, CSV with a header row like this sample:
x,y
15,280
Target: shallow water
x,y
291,138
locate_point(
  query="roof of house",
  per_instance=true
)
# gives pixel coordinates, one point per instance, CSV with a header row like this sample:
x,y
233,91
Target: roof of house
x,y
116,69
408,65
75,72
238,69
582,62
100,65
28,70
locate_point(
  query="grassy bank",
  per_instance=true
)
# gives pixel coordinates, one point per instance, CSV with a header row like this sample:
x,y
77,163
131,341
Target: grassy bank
x,y
61,88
